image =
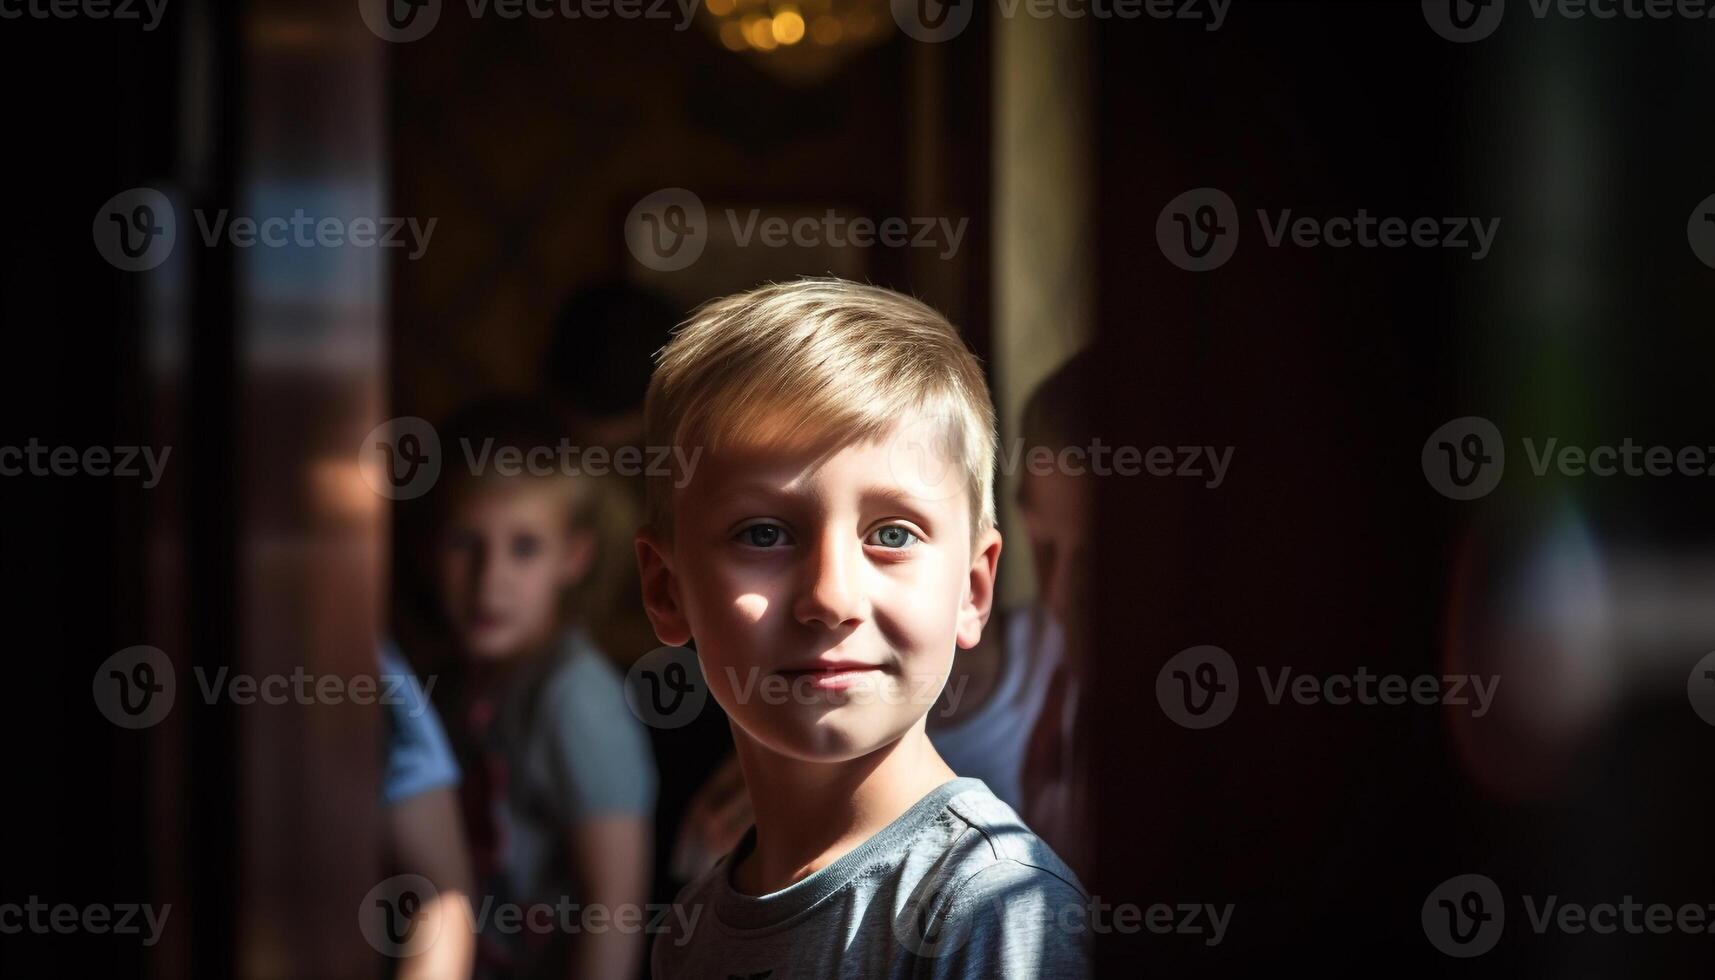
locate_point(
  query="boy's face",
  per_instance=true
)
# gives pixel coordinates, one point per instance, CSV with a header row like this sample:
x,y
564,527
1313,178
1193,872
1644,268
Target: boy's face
x,y
503,561
1056,508
826,596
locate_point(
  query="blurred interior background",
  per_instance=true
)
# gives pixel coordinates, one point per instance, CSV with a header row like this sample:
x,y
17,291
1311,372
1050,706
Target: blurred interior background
x,y
1054,143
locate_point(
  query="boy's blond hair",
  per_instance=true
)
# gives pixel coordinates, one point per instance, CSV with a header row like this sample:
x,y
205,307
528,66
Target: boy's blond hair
x,y
785,365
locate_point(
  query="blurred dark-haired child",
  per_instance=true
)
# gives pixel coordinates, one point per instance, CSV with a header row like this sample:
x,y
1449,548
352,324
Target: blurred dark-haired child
x,y
1058,511
560,783
1008,713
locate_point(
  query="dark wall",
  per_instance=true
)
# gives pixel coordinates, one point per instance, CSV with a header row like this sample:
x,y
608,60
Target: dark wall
x,y
1326,549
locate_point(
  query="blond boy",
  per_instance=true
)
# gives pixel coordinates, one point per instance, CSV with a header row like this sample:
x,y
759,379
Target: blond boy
x,y
834,545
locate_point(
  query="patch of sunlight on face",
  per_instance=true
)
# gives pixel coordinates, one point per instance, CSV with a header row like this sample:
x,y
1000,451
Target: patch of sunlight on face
x,y
751,606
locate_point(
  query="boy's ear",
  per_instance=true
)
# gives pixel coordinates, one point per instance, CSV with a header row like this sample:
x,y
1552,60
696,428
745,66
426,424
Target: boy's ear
x,y
661,592
979,592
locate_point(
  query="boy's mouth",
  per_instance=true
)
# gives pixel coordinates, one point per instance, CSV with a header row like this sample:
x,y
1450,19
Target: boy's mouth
x,y
831,675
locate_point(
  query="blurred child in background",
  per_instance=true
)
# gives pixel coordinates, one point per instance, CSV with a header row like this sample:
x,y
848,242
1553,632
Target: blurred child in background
x,y
596,372
423,834
1058,509
560,782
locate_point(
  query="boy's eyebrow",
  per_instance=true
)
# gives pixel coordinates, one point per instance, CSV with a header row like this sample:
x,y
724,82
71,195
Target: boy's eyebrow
x,y
886,493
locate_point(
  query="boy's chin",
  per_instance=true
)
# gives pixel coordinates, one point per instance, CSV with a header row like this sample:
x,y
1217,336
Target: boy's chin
x,y
483,646
827,738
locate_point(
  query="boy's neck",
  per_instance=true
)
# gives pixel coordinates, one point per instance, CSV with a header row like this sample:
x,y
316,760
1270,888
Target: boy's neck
x,y
489,673
810,814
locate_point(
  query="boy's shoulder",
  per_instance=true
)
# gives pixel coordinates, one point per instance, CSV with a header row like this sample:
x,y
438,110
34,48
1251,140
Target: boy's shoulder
x,y
983,845
997,834
956,887
574,674
999,900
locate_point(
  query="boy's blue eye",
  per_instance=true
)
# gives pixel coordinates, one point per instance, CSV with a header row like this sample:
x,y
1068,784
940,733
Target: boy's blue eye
x,y
526,546
763,535
894,536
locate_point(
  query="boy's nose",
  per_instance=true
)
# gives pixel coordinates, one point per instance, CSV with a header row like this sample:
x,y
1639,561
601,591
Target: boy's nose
x,y
486,575
833,594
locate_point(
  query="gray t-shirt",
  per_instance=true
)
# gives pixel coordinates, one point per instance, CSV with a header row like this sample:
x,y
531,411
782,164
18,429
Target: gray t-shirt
x,y
572,752
958,886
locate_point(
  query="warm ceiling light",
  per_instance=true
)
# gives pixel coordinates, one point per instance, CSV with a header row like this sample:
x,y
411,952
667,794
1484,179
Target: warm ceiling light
x,y
759,31
788,26
773,31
